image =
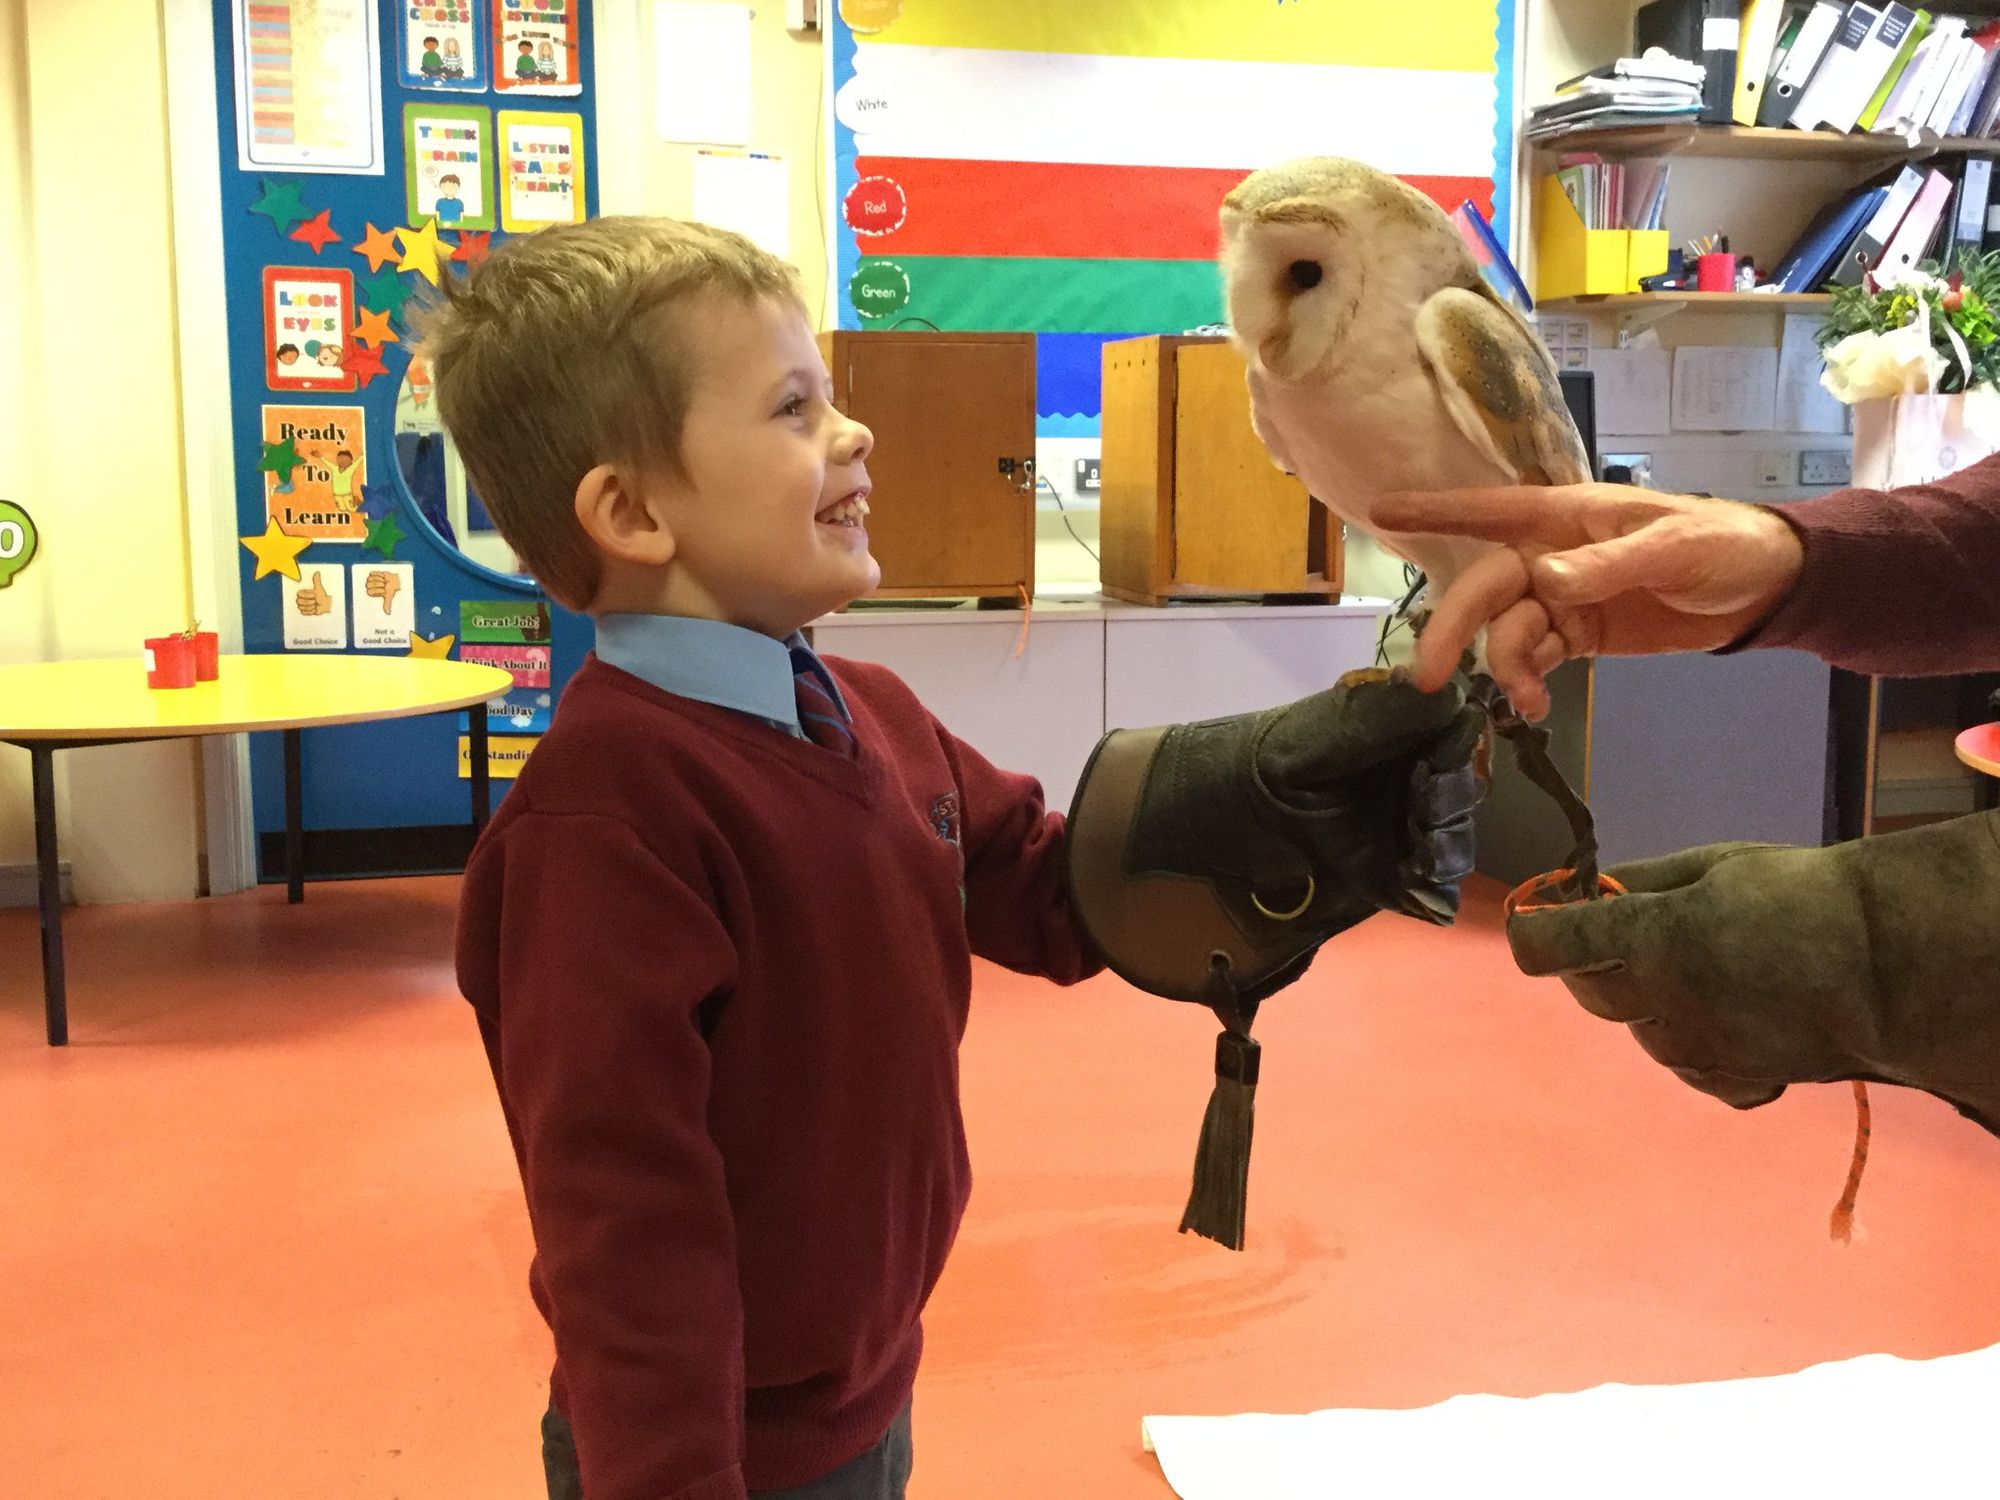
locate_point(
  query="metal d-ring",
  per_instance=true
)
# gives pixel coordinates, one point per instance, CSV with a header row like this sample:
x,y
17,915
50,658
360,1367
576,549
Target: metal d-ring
x,y
1312,889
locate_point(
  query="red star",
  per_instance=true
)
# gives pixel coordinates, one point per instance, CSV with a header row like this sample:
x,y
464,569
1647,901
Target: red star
x,y
363,362
474,248
317,231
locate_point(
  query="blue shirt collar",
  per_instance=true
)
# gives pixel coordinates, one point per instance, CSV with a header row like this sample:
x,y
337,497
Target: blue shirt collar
x,y
711,662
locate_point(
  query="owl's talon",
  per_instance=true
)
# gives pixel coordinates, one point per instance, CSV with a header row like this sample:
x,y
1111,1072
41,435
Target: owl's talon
x,y
1401,677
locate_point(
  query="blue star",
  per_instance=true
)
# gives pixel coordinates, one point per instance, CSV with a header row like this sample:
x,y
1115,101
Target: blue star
x,y
377,500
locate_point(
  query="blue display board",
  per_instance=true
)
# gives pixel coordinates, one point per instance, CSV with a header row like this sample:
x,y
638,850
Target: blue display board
x,y
323,260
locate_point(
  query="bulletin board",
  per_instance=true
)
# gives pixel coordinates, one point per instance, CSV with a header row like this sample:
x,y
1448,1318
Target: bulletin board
x,y
369,148
1056,167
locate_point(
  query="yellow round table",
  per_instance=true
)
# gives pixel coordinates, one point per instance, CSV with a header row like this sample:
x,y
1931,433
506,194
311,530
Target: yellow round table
x,y
68,705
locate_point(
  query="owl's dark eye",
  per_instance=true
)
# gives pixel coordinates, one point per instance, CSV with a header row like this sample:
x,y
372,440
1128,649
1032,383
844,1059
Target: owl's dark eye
x,y
1306,274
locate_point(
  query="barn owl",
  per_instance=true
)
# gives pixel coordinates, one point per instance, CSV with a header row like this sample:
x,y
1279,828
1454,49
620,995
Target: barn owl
x,y
1378,358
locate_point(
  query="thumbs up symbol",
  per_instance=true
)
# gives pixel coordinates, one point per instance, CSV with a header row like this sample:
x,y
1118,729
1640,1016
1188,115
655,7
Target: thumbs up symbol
x,y
384,586
315,600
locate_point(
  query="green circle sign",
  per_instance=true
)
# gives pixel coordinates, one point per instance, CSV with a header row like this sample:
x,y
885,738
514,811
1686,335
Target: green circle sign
x,y
879,289
18,541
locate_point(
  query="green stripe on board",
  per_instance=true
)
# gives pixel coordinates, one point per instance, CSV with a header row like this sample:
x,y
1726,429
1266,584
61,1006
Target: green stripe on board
x,y
1033,294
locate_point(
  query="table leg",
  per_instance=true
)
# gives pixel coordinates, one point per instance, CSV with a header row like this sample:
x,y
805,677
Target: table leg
x,y
482,784
295,838
55,998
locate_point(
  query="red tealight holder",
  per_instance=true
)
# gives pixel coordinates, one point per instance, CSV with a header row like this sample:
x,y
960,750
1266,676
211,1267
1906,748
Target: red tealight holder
x,y
169,662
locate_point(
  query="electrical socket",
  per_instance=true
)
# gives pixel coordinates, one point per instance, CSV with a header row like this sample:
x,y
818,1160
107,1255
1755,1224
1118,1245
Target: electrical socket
x,y
1777,469
1826,468
1089,476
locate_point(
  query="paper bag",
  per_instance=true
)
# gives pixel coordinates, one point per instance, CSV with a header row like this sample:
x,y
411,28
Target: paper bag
x,y
1905,440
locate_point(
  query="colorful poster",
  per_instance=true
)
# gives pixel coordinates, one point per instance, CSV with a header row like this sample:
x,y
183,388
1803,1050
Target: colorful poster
x,y
448,164
315,609
307,312
385,606
316,491
439,44
534,47
542,160
308,85
512,635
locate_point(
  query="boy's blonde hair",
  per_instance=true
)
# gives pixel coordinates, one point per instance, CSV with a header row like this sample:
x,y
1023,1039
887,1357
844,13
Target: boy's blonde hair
x,y
565,351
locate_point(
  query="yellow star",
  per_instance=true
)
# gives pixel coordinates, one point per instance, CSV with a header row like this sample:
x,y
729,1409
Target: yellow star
x,y
436,650
374,328
277,550
378,245
422,250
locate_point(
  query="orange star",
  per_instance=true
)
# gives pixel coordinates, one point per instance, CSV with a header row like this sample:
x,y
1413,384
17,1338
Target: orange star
x,y
364,364
437,650
473,248
374,328
378,245
318,231
423,250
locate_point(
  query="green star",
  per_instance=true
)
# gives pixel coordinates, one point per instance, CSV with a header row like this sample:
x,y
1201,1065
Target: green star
x,y
383,536
281,205
280,459
385,291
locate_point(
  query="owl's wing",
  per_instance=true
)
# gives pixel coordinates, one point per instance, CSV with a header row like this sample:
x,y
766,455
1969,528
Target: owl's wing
x,y
1500,387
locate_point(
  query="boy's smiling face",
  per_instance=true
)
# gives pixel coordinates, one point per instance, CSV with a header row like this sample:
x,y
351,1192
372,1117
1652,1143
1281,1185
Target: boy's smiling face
x,y
769,520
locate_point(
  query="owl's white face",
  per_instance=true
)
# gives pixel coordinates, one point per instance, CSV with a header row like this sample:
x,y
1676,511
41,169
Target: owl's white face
x,y
1293,286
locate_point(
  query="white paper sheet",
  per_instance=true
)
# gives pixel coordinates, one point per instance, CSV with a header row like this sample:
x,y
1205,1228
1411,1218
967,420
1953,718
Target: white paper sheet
x,y
1725,388
748,192
1872,1425
702,63
1634,389
1803,403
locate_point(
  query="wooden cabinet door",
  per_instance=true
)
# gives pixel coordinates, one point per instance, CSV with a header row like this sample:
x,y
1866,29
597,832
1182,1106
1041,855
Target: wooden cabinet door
x,y
946,410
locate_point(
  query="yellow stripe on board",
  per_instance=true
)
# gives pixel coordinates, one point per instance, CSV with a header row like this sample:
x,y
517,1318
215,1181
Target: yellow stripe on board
x,y
1443,35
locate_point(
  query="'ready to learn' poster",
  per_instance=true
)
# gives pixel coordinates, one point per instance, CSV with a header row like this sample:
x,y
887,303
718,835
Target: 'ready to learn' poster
x,y
316,492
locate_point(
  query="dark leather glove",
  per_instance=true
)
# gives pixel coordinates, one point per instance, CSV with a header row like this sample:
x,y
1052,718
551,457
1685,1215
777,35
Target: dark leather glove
x,y
1748,967
1209,861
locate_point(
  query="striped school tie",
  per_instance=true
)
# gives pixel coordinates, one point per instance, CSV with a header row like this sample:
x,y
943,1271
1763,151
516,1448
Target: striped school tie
x,y
820,714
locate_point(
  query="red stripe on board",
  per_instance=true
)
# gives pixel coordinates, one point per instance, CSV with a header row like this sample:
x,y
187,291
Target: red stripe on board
x,y
1067,210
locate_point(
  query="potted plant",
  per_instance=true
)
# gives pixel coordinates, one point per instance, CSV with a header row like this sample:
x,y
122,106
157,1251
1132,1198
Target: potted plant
x,y
1916,352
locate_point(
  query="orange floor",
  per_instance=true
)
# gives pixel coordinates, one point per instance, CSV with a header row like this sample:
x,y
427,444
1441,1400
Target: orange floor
x,y
261,1236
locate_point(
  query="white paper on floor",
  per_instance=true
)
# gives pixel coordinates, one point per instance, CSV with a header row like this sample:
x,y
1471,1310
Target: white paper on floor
x,y
1875,1424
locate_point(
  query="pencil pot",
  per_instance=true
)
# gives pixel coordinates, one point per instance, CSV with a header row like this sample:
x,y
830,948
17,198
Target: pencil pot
x,y
169,662
207,655
1904,440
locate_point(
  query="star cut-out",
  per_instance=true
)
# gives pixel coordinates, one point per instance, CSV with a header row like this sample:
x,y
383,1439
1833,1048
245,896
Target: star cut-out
x,y
318,231
277,550
474,246
436,648
423,250
383,535
280,459
376,500
280,204
374,328
378,245
385,291
364,363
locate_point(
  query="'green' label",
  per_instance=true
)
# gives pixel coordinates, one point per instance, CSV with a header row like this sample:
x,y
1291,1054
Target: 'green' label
x,y
880,289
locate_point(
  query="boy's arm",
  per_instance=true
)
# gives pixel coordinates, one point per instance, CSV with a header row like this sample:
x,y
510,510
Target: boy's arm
x,y
1017,907
588,962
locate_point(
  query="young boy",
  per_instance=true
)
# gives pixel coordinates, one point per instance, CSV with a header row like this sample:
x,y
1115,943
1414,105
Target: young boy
x,y
718,937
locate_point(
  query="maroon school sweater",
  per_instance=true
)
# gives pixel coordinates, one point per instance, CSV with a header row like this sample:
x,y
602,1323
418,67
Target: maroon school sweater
x,y
1898,583
722,975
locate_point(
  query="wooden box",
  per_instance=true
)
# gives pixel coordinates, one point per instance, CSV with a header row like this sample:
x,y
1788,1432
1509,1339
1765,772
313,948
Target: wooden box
x,y
1192,504
953,509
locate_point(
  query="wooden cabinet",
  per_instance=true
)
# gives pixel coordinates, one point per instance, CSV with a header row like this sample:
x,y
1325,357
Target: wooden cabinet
x,y
953,511
1192,504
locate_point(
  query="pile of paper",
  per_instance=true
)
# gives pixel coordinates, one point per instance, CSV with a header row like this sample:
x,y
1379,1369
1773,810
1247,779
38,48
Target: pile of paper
x,y
1652,89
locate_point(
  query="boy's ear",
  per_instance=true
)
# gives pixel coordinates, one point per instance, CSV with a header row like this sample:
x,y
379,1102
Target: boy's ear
x,y
623,517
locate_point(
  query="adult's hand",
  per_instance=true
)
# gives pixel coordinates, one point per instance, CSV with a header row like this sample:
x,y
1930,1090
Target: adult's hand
x,y
1593,570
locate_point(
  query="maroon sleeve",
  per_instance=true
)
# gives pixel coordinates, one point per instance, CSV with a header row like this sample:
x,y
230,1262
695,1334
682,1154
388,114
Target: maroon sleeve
x,y
604,1076
1017,909
1897,583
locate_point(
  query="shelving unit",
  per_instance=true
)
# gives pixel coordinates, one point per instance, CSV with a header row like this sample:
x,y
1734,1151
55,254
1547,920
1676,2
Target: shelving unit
x,y
1698,301
1755,143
